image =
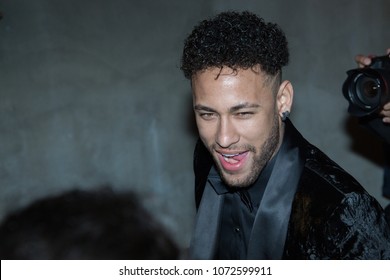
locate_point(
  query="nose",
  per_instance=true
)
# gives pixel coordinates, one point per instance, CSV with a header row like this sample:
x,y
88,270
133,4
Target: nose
x,y
227,133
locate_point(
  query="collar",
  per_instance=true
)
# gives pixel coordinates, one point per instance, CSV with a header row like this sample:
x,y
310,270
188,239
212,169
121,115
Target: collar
x,y
271,223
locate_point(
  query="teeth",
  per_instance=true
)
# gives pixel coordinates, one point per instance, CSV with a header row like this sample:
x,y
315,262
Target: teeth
x,y
229,156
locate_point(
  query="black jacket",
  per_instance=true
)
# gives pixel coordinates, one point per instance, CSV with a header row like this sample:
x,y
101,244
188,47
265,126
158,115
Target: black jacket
x,y
311,209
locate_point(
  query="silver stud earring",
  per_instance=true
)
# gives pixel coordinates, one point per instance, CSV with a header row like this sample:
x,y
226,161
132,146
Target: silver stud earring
x,y
285,115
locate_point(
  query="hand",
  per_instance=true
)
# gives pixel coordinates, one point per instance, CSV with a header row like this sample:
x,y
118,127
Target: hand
x,y
363,61
386,113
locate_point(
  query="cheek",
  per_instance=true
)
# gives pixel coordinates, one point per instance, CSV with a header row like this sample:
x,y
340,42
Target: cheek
x,y
251,135
206,130
254,132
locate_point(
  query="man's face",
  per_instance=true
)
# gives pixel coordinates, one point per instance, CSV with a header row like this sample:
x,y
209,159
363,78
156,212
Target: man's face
x,y
238,121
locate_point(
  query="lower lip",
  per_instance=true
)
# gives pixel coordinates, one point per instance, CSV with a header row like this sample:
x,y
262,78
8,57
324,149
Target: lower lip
x,y
231,167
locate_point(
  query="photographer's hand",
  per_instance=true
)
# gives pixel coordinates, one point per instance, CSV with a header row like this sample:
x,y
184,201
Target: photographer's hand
x,y
365,60
386,113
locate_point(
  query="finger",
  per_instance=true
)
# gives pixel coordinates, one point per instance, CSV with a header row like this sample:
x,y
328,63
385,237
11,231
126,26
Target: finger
x,y
386,107
386,120
362,60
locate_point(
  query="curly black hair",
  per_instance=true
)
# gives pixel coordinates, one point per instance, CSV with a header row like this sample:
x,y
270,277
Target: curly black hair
x,y
236,40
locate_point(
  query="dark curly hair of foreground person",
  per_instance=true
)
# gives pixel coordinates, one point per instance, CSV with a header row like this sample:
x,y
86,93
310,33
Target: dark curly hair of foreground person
x,y
78,224
236,40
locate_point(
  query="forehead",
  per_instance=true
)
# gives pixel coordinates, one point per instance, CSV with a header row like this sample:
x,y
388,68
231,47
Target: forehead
x,y
226,72
228,84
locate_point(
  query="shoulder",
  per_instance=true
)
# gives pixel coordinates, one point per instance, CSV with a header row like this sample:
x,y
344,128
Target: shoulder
x,y
324,182
328,174
332,211
320,173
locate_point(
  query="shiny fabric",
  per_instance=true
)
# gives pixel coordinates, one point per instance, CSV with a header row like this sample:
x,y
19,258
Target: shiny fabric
x,y
311,209
333,217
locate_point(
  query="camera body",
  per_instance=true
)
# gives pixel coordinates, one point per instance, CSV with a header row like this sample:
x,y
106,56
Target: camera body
x,y
367,90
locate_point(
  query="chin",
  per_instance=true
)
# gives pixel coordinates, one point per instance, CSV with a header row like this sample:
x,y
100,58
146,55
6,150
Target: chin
x,y
238,181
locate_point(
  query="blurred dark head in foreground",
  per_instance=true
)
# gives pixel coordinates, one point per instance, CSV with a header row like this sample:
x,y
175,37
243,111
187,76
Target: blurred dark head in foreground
x,y
85,225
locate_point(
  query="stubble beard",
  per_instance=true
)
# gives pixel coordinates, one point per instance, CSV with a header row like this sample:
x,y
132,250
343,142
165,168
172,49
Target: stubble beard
x,y
258,162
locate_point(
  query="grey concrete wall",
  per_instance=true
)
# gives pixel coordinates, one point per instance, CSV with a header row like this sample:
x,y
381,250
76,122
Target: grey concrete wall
x,y
91,94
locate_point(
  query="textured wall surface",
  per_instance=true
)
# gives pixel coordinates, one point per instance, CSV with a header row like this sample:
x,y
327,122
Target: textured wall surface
x,y
91,93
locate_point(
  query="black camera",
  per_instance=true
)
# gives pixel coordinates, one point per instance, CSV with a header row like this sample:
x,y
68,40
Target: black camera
x,y
367,90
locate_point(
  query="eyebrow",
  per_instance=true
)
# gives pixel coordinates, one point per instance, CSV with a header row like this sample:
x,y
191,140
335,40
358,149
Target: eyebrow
x,y
245,105
203,108
233,109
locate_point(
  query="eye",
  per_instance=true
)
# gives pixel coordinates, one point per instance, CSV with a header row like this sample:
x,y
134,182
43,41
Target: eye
x,y
207,116
244,115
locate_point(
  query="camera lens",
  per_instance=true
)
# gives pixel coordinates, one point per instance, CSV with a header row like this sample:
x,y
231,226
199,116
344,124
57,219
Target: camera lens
x,y
368,91
370,88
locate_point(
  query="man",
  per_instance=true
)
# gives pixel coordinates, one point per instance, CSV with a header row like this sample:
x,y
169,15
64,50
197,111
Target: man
x,y
77,224
262,191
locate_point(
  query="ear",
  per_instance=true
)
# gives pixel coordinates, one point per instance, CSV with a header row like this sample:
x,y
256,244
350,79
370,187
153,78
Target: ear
x,y
284,98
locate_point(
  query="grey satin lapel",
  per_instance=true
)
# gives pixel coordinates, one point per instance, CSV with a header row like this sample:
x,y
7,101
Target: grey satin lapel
x,y
206,225
271,223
